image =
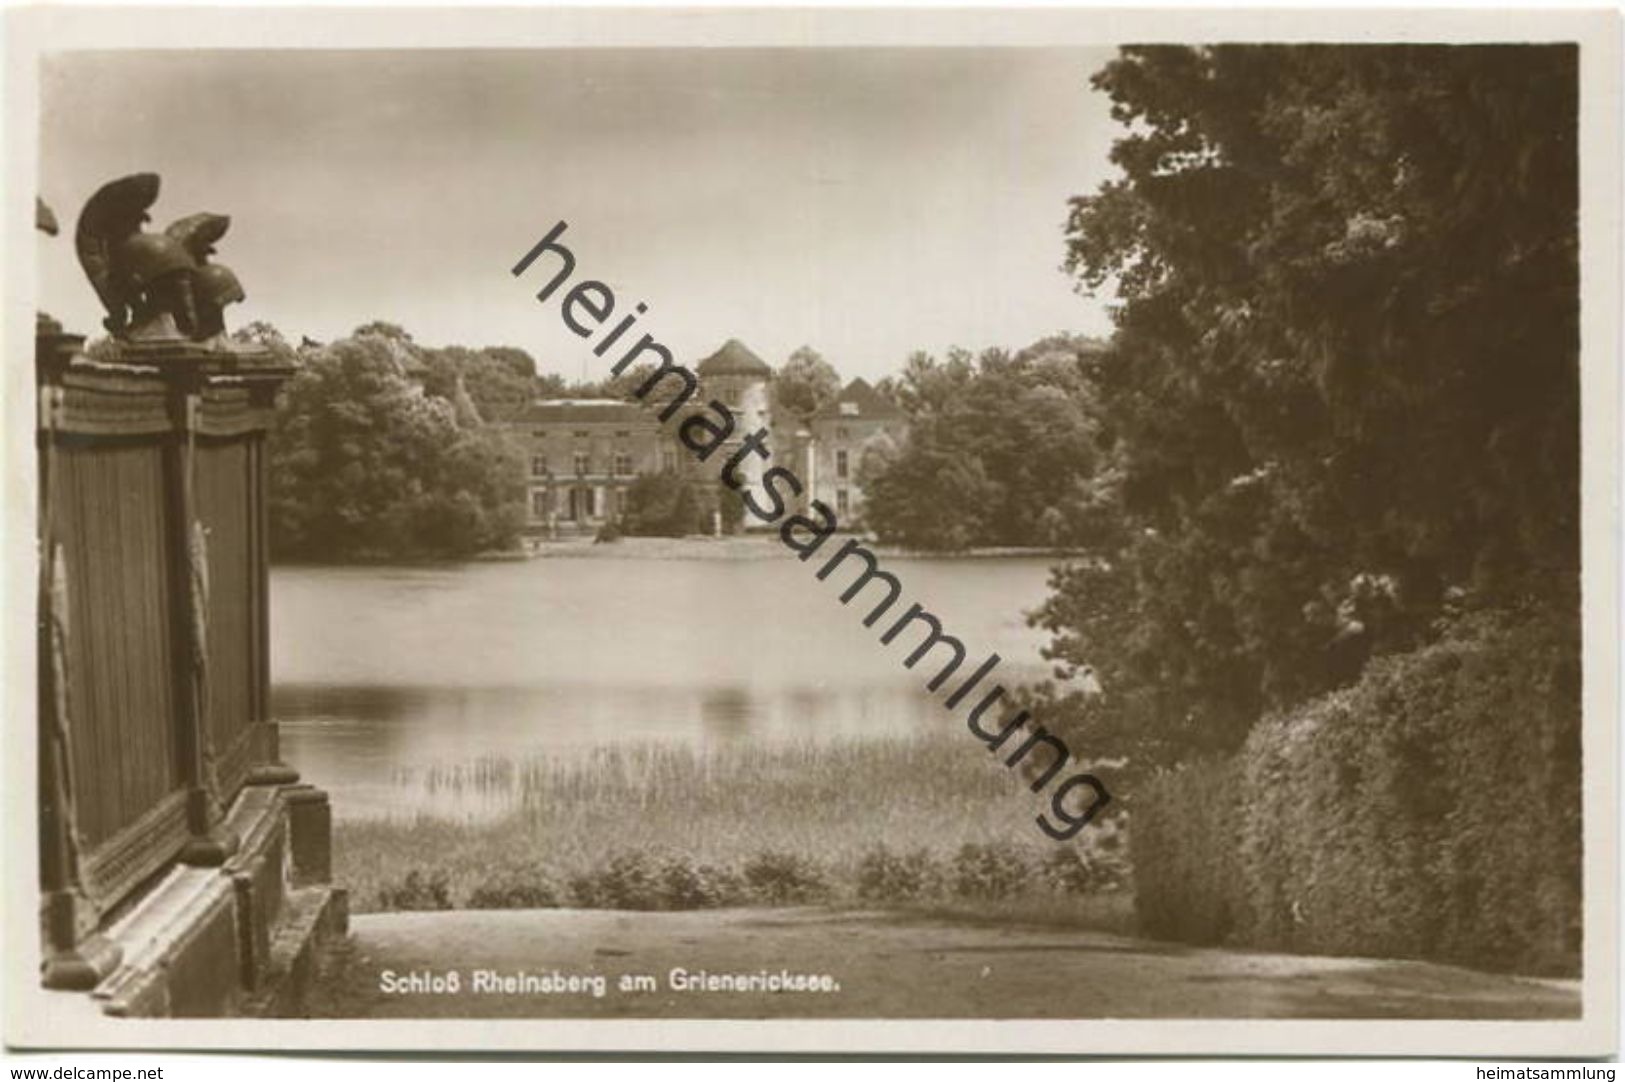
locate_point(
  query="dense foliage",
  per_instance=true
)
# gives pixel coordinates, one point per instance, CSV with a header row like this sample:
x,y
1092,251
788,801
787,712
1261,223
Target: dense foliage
x,y
1000,450
500,381
366,463
803,385
667,505
1430,810
1343,393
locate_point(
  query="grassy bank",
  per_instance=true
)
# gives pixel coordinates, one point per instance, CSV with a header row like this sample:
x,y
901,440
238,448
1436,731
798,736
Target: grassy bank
x,y
923,821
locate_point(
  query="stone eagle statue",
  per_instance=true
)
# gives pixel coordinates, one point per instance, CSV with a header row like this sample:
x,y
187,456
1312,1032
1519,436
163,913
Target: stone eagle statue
x,y
213,284
155,286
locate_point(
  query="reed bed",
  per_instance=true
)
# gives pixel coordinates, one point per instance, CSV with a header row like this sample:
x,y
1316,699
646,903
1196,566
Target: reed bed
x,y
921,819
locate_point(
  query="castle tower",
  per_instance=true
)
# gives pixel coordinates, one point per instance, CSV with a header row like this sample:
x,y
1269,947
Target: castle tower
x,y
739,379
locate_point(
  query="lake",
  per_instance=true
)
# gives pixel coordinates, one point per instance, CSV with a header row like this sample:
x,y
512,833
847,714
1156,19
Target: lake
x,y
396,686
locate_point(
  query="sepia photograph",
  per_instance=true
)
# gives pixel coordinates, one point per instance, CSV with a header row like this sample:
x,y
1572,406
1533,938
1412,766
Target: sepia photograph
x,y
576,530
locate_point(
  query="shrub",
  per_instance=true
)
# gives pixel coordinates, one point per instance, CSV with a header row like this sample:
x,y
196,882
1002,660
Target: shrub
x,y
1510,838
419,890
667,505
784,879
704,886
608,533
1431,810
629,881
1067,870
1185,854
988,871
519,888
885,876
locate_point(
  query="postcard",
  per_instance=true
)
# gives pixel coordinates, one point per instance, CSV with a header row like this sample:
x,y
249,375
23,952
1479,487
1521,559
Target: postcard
x,y
785,531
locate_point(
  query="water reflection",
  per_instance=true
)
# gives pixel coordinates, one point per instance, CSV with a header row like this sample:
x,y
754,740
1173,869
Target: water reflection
x,y
725,712
405,691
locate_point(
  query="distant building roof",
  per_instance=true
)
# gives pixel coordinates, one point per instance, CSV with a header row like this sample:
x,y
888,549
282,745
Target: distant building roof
x,y
585,411
859,400
734,359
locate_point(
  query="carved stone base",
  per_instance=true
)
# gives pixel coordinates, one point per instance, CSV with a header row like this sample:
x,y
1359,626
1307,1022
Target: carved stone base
x,y
77,956
181,950
210,850
259,817
82,967
316,919
310,835
205,942
271,774
216,355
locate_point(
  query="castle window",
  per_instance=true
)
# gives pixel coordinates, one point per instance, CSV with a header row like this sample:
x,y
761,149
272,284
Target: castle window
x,y
538,465
538,503
842,503
840,464
583,462
622,466
841,432
582,433
668,460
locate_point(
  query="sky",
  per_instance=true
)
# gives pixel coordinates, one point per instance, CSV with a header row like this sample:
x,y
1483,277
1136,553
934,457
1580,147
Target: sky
x,y
865,202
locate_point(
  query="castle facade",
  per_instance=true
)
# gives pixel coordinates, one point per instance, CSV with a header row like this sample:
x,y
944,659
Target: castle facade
x,y
583,454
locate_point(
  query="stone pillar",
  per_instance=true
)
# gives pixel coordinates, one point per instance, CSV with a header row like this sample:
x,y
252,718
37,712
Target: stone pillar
x,y
310,835
268,767
182,366
76,956
161,444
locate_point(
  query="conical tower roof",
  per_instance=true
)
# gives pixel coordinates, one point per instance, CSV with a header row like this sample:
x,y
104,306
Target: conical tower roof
x,y
734,359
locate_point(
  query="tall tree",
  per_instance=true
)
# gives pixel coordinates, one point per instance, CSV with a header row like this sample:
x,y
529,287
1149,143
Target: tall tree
x,y
805,383
998,447
1343,391
551,385
501,380
364,464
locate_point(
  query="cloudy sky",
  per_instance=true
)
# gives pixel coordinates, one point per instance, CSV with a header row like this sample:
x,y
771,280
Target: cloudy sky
x,y
868,202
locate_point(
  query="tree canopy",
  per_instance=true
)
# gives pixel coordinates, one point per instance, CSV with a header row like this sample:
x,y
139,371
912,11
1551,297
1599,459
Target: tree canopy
x,y
500,380
667,504
1342,399
365,463
998,450
805,383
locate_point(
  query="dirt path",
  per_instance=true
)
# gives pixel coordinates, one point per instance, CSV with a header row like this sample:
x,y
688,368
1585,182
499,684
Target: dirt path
x,y
883,965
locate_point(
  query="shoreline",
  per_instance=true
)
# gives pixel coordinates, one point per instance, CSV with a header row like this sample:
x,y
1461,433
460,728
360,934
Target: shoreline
x,y
755,547
696,547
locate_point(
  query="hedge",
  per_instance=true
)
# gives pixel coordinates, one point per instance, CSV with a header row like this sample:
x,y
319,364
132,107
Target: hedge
x,y
1430,810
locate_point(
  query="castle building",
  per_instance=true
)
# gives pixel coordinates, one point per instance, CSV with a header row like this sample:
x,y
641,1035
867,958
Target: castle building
x,y
858,423
740,380
583,454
